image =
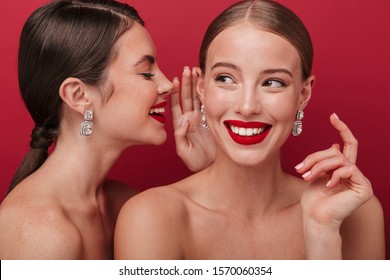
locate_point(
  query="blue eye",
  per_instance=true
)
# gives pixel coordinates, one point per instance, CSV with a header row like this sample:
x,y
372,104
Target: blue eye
x,y
274,83
224,79
147,76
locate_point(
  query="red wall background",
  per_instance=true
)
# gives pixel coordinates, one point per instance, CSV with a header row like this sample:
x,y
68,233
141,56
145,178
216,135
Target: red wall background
x,y
352,57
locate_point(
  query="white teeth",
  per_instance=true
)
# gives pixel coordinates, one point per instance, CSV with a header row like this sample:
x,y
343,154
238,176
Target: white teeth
x,y
247,131
157,110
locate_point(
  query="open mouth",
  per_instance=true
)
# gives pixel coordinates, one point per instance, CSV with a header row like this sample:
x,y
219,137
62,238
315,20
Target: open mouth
x,y
157,112
247,133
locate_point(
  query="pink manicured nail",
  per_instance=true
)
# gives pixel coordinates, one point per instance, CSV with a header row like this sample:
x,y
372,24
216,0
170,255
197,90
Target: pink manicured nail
x,y
299,166
306,174
328,184
337,117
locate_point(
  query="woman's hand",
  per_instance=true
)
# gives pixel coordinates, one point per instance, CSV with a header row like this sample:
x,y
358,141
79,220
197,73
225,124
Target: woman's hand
x,y
194,144
337,188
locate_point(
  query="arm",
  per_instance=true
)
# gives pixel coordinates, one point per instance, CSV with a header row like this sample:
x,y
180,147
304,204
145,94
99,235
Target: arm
x,y
326,204
194,145
361,236
363,232
146,230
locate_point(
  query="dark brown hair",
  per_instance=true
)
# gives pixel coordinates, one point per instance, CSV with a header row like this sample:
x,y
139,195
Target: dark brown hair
x,y
270,16
65,38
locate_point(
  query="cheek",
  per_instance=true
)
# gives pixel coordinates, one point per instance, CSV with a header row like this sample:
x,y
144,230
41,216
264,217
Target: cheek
x,y
217,102
282,106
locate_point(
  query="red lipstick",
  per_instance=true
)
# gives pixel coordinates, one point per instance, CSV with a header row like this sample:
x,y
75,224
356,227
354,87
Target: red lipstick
x,y
156,112
257,131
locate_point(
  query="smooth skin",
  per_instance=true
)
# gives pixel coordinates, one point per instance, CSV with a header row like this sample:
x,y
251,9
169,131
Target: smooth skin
x,y
244,206
67,209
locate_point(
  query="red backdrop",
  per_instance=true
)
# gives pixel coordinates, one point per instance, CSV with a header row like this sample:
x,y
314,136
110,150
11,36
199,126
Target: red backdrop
x,y
351,64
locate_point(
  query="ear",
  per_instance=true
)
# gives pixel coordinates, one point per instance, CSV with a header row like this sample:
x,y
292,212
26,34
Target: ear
x,y
72,93
306,92
200,87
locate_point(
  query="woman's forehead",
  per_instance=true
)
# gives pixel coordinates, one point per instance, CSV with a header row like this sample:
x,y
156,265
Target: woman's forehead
x,y
245,44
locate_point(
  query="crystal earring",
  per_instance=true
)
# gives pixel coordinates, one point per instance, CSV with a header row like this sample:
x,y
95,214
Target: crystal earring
x,y
297,126
203,117
86,125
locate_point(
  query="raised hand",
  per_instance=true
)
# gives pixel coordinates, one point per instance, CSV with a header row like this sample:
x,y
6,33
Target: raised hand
x,y
337,188
194,145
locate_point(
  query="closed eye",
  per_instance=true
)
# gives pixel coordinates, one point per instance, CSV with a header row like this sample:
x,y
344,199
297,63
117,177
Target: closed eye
x,y
147,75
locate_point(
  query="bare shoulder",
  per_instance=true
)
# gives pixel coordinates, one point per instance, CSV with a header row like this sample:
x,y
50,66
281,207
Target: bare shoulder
x,y
363,232
150,225
30,229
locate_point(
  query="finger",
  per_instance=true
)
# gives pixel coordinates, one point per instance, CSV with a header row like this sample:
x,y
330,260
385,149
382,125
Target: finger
x,y
350,148
357,181
196,72
354,191
316,157
186,90
326,166
181,136
174,102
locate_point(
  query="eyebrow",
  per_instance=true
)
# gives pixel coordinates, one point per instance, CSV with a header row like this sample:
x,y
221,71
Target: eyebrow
x,y
277,70
225,64
267,71
146,58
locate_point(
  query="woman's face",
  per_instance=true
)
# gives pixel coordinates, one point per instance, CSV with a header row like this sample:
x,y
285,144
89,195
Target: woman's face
x,y
252,88
134,113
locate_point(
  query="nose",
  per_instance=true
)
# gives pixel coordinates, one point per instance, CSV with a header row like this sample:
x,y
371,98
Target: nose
x,y
248,102
164,86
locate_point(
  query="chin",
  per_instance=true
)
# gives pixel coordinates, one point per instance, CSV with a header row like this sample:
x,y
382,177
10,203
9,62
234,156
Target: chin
x,y
159,139
249,158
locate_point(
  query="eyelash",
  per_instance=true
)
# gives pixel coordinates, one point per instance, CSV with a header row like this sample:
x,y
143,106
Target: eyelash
x,y
221,78
147,76
282,84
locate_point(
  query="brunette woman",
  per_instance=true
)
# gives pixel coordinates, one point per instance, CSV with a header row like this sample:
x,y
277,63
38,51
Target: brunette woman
x,y
89,77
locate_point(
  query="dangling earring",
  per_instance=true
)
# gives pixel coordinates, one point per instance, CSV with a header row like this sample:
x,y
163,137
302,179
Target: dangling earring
x,y
297,126
86,125
203,117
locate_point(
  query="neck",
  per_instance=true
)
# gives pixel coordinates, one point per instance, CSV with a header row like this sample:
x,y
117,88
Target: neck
x,y
80,165
250,190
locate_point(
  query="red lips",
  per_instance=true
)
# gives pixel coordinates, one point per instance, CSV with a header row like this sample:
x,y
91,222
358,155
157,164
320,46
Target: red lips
x,y
158,116
256,138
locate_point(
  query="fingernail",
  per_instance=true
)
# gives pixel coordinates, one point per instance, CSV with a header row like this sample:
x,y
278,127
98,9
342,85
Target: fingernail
x,y
337,117
186,68
175,79
328,184
306,174
299,166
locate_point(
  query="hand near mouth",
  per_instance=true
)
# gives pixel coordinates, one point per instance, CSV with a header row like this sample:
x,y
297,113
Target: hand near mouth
x,y
194,145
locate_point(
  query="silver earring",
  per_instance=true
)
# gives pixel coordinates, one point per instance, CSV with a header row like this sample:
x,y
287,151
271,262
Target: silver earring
x,y
297,126
203,117
86,125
